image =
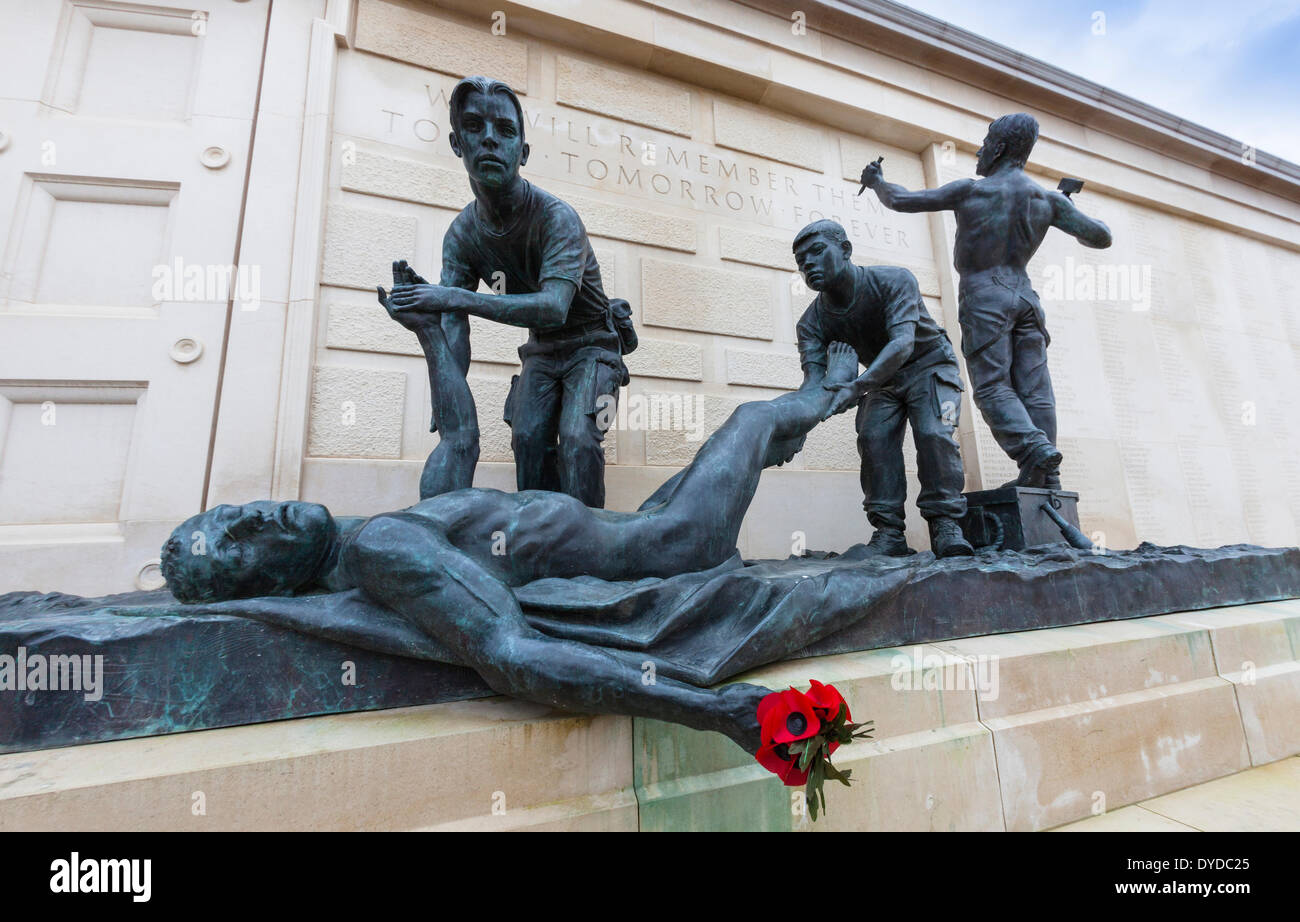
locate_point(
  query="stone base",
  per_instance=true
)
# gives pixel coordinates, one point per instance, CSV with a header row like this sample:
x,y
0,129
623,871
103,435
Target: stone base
x,y
1081,720
445,766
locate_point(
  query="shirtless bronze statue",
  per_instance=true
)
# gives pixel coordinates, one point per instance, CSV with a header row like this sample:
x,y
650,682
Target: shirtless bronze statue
x,y
1001,221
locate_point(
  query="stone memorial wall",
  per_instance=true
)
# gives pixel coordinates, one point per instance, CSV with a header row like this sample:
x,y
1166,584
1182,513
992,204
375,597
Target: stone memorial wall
x,y
1176,372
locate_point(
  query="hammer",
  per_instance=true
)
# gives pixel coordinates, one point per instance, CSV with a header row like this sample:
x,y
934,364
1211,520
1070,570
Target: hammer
x,y
1069,186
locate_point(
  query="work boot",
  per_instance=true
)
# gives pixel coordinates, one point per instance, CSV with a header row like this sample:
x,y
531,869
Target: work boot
x,y
888,542
946,539
1041,469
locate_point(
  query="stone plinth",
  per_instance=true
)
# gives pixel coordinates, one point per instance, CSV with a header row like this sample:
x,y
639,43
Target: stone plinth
x,y
487,764
1014,731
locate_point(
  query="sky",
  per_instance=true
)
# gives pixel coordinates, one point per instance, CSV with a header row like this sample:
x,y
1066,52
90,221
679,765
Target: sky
x,y
1233,67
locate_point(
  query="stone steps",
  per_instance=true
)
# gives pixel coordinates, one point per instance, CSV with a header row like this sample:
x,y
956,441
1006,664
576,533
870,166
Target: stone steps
x,y
1260,799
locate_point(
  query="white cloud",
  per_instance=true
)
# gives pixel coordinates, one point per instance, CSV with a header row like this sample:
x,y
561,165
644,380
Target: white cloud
x,y
1190,59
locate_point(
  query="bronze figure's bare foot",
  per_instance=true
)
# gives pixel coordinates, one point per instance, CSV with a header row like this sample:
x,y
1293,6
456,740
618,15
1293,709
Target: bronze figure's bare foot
x,y
842,364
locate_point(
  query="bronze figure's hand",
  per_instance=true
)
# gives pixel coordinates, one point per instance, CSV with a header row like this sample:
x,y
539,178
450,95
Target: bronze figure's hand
x,y
423,298
872,174
403,277
403,274
846,397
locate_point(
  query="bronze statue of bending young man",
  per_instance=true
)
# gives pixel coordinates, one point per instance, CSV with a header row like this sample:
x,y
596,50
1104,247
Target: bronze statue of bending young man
x,y
440,562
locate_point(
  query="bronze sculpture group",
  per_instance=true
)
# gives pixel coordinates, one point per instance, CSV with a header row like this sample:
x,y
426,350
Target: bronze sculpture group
x,y
449,563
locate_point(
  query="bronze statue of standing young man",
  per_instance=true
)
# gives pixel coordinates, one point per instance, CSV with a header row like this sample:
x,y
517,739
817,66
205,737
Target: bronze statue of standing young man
x,y
1001,221
518,236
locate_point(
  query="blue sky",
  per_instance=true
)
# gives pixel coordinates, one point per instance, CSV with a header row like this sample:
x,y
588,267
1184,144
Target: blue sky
x,y
1230,66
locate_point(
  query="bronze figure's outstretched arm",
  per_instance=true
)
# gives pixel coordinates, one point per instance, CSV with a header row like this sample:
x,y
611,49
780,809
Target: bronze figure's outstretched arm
x,y
896,198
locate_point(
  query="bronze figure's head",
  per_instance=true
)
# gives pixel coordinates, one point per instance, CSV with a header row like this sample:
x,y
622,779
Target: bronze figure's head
x,y
487,131
257,549
822,251
1010,138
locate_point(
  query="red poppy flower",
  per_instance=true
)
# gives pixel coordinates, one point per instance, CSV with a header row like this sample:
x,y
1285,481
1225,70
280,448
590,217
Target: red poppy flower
x,y
811,723
826,700
787,717
778,761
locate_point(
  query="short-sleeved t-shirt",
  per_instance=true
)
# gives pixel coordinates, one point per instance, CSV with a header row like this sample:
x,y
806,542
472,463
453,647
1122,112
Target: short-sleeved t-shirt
x,y
883,297
546,241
